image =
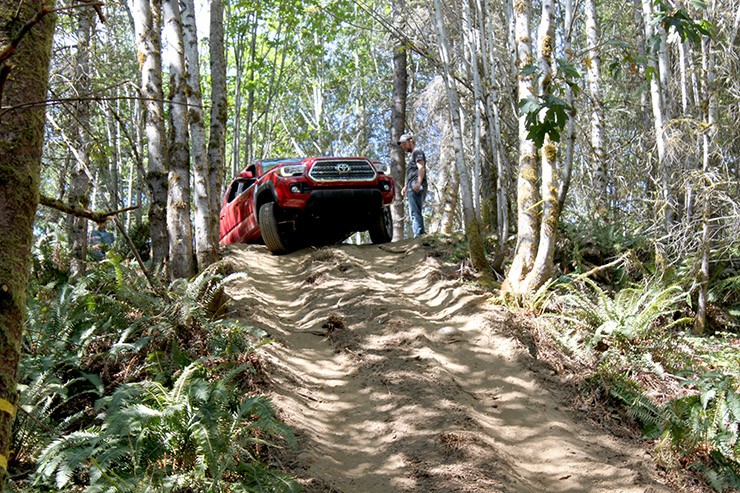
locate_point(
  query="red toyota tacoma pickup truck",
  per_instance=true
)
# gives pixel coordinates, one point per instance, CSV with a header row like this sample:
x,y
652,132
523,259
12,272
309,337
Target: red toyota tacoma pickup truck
x,y
291,203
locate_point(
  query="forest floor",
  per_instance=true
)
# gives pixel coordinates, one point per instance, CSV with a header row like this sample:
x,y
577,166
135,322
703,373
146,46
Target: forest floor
x,y
396,375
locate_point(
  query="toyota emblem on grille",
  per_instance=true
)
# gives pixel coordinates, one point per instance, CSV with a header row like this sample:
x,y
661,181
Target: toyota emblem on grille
x,y
343,168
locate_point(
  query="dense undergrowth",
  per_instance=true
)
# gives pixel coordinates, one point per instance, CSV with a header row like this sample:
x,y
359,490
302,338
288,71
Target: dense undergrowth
x,y
627,331
123,389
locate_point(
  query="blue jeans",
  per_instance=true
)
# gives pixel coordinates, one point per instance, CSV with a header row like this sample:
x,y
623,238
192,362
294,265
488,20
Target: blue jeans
x,y
416,202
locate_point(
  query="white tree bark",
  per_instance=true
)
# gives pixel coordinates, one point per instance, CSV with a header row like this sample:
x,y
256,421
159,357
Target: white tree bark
x,y
474,50
206,244
472,228
147,25
682,64
667,173
114,141
708,68
249,125
449,194
528,176
656,97
598,152
570,129
178,197
543,264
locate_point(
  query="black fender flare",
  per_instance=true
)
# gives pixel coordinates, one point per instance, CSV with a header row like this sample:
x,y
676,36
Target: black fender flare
x,y
265,193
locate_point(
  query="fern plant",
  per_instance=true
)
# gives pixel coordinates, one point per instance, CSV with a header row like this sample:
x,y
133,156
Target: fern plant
x,y
175,418
702,427
57,380
629,337
626,318
197,434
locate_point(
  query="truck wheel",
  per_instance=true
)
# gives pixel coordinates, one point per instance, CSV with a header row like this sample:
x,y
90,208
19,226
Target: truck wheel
x,y
381,227
270,230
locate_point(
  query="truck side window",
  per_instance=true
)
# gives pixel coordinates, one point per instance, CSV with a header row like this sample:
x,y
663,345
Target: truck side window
x,y
232,192
239,187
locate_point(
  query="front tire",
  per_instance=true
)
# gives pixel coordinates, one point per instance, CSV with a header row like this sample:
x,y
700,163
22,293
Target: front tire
x,y
270,229
381,227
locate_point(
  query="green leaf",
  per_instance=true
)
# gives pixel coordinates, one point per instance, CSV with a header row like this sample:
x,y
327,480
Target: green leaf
x,y
569,70
529,70
529,105
650,72
619,43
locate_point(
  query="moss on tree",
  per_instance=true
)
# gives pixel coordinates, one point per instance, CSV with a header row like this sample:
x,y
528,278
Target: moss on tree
x,y
21,137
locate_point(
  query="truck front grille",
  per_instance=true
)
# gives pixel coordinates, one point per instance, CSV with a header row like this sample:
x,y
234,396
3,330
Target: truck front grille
x,y
341,170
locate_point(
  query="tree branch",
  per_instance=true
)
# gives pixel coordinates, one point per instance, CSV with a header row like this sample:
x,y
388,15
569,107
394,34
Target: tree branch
x,y
78,211
600,268
101,217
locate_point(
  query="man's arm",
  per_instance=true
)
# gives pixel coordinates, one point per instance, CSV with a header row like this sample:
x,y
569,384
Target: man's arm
x,y
421,165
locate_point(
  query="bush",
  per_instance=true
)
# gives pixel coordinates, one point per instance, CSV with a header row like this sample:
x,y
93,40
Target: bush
x,y
631,340
126,390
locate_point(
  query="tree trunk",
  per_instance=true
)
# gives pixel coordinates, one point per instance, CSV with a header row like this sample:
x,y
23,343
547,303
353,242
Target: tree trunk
x,y
473,52
527,194
644,115
137,184
80,178
493,116
668,174
708,68
700,322
398,119
219,101
178,196
239,64
206,243
114,142
249,125
570,129
449,194
270,120
21,139
683,47
147,24
543,264
598,152
656,100
472,225
510,17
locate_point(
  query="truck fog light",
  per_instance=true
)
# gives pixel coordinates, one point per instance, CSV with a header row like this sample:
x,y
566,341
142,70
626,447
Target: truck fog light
x,y
386,186
295,189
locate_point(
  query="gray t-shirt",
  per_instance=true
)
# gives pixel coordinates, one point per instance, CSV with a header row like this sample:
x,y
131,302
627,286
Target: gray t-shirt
x,y
412,169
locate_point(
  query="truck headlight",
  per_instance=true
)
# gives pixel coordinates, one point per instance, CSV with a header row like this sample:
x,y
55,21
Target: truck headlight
x,y
384,168
293,170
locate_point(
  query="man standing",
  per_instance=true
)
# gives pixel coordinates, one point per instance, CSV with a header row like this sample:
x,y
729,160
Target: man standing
x,y
416,182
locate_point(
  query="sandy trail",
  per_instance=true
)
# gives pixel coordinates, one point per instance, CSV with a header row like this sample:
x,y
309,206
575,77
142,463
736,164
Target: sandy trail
x,y
396,376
